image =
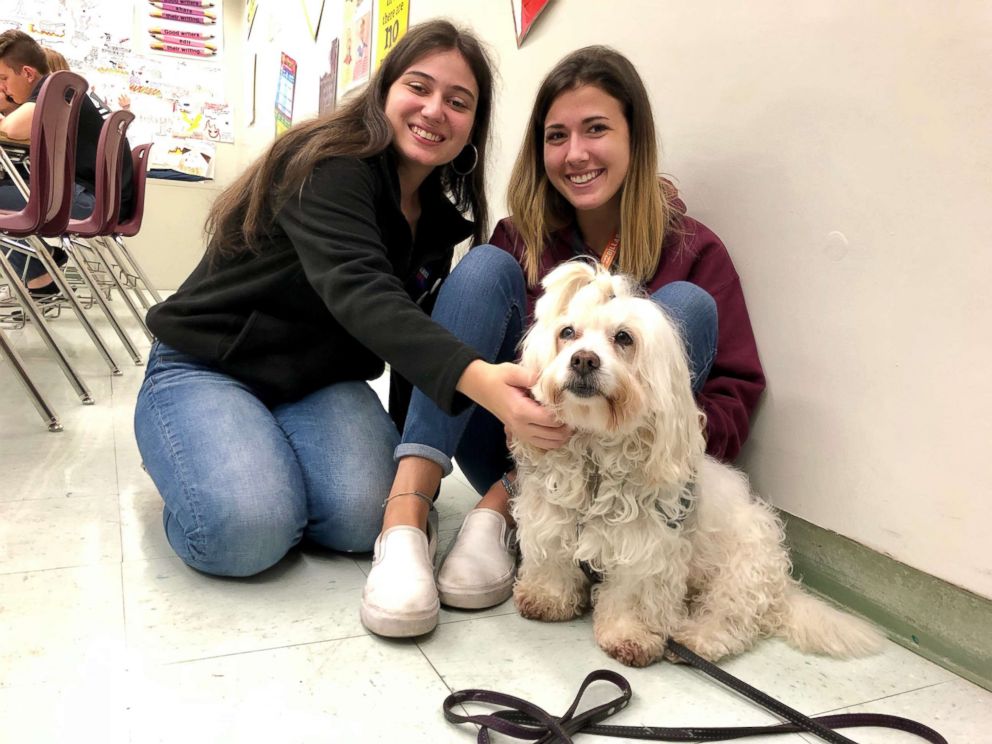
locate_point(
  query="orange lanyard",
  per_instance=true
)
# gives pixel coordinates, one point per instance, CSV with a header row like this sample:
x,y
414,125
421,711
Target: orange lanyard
x,y
610,252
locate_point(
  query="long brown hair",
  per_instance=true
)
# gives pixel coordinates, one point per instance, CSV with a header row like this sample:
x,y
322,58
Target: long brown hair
x,y
536,205
243,214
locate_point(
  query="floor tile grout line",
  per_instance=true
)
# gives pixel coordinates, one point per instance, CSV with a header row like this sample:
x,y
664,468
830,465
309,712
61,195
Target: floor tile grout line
x,y
263,649
886,697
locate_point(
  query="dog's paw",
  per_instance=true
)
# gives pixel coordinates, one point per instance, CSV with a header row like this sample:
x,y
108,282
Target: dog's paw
x,y
711,644
536,603
637,647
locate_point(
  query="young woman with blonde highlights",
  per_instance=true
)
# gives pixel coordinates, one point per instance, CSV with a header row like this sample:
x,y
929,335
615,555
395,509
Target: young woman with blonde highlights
x,y
585,184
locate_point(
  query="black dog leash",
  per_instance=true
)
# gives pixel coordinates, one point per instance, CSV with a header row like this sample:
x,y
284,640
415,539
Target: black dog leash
x,y
524,720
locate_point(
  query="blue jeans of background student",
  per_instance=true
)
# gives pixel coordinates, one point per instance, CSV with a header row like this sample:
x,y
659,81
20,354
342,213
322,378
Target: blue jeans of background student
x,y
483,303
27,267
243,482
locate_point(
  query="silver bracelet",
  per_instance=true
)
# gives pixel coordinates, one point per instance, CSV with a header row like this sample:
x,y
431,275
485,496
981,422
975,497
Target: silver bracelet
x,y
418,494
510,486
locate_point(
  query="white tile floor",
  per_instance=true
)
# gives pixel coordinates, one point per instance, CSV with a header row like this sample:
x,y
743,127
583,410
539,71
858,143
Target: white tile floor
x,y
105,636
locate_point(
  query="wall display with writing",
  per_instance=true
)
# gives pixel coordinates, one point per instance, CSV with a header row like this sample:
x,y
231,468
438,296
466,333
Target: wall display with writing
x,y
393,20
328,98
356,44
187,28
285,91
173,94
525,12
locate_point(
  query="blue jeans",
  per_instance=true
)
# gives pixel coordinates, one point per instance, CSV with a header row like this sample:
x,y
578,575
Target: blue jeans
x,y
243,483
484,304
27,267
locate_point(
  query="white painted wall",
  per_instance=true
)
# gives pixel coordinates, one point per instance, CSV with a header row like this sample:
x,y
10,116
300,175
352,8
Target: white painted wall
x,y
842,151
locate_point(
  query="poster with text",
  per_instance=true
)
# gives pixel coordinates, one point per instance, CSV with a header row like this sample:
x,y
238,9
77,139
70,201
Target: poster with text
x,y
173,96
328,96
191,29
285,91
356,44
393,20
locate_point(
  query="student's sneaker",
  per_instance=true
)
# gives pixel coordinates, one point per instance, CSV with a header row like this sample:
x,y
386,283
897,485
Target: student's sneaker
x,y
478,571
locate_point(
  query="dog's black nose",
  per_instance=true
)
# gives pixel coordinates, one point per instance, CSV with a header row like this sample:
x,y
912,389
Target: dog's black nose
x,y
584,362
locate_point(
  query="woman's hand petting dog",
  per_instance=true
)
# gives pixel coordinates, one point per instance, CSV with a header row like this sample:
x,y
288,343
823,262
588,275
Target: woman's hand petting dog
x,y
504,390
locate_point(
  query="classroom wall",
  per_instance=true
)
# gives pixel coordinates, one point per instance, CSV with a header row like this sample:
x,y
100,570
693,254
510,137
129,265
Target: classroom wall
x,y
841,150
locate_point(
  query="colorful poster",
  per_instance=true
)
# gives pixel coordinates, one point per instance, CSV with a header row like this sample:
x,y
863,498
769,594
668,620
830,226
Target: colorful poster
x,y
394,18
356,44
328,98
172,95
525,12
285,91
184,28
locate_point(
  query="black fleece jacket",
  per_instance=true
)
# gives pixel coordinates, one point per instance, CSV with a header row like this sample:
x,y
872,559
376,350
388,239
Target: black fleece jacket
x,y
339,287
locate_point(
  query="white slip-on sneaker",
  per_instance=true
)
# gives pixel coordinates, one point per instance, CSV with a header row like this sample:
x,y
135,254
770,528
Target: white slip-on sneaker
x,y
479,569
400,598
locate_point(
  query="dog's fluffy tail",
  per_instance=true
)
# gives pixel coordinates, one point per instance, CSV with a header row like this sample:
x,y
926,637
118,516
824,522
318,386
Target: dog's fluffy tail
x,y
813,626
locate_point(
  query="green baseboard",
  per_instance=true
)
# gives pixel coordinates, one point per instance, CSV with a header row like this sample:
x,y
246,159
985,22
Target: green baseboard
x,y
941,622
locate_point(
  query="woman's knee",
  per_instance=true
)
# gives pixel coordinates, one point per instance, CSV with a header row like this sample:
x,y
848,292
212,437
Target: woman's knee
x,y
486,268
689,303
695,312
245,537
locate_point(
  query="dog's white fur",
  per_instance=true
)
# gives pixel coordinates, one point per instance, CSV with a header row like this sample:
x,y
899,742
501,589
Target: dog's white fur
x,y
685,549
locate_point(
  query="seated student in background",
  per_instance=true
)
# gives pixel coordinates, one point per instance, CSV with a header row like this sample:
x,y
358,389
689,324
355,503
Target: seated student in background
x,y
255,420
585,184
24,64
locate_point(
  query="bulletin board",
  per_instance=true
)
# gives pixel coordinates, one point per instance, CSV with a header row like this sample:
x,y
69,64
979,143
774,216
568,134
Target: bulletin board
x,y
162,60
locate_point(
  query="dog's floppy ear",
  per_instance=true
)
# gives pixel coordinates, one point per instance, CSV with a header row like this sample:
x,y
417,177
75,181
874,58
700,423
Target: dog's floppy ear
x,y
560,287
675,419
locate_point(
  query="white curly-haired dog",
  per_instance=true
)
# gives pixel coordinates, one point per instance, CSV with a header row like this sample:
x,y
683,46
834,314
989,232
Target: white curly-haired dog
x,y
684,548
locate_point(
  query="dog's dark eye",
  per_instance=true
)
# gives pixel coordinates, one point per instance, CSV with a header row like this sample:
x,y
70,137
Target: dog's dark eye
x,y
623,339
566,333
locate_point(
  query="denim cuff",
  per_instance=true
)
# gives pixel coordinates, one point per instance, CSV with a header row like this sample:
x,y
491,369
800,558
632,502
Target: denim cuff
x,y
409,449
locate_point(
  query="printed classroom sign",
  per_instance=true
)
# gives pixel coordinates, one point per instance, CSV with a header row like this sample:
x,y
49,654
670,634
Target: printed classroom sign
x,y
185,28
327,100
394,18
285,90
356,44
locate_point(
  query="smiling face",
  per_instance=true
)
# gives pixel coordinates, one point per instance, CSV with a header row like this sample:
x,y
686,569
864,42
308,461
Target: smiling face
x,y
587,148
431,108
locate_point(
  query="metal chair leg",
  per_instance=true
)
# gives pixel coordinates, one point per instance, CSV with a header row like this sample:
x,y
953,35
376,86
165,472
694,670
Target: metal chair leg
x,y
88,277
97,248
126,269
137,268
31,309
44,409
42,255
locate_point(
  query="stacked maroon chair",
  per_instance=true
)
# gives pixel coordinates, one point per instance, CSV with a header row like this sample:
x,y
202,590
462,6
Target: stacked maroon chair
x,y
59,178
102,220
129,228
52,154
